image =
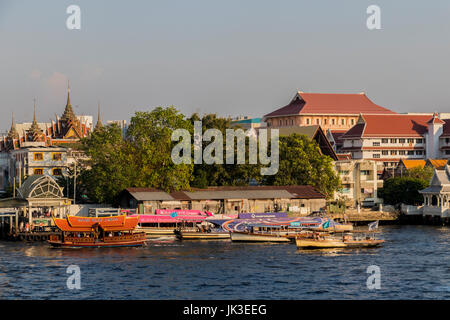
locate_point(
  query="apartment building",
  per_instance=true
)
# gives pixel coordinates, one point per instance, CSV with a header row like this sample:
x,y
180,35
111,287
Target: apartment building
x,y
390,138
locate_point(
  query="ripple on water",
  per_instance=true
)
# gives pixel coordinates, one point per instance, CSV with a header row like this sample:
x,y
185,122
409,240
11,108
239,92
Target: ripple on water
x,y
413,263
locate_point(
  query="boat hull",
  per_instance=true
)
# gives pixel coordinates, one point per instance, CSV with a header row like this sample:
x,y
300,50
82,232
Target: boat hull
x,y
330,243
152,232
59,244
252,237
202,235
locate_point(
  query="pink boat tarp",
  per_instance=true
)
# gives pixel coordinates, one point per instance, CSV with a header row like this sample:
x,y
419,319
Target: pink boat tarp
x,y
183,212
153,218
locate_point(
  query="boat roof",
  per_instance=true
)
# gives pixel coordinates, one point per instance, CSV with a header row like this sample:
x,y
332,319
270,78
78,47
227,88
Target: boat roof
x,y
88,224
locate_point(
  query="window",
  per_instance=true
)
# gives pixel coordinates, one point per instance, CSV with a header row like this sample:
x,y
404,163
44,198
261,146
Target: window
x,y
366,172
57,156
402,152
342,121
419,140
317,121
384,152
333,121
353,121
324,121
268,124
447,151
410,140
286,122
401,140
384,140
447,140
38,156
376,155
376,144
292,122
419,152
307,121
280,123
393,152
38,171
393,140
57,172
410,153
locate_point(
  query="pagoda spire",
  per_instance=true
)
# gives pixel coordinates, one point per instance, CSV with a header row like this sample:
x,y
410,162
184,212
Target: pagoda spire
x,y
13,134
99,120
35,133
68,111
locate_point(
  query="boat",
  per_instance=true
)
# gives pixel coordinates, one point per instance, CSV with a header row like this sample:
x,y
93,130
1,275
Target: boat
x,y
261,233
318,240
87,232
204,231
165,222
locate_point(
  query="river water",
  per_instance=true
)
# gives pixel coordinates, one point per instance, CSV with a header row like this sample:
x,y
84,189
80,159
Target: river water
x,y
414,264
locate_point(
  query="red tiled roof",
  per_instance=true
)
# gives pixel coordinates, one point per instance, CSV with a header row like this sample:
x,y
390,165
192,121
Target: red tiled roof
x,y
435,119
395,125
344,156
330,103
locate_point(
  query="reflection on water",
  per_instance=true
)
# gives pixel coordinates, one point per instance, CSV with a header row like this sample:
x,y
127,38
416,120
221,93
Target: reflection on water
x,y
414,264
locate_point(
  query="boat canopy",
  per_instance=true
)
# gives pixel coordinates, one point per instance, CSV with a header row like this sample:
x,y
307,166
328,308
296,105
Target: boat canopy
x,y
152,218
87,224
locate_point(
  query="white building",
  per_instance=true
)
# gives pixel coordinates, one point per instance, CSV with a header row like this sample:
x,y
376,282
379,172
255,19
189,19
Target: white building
x,y
390,138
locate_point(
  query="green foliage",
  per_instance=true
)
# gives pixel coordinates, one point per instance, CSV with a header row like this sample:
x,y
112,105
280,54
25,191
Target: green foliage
x,y
142,159
302,163
403,190
222,174
425,173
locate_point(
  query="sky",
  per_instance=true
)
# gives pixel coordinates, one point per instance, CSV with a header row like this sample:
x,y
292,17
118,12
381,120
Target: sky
x,y
230,57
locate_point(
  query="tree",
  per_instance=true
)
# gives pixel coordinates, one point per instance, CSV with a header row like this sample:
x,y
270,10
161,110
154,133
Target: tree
x,y
425,173
149,137
302,163
403,190
222,174
110,168
142,159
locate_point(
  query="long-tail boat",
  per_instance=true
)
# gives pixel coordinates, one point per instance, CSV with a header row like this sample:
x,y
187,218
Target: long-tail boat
x,y
320,240
116,231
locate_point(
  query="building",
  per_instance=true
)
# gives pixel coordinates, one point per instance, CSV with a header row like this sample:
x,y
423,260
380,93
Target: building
x,y
66,129
122,125
313,132
390,138
42,148
227,200
360,180
437,195
331,111
247,123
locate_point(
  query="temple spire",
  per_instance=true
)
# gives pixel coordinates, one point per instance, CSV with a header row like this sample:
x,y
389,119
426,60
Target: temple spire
x,y
68,111
13,134
35,133
99,120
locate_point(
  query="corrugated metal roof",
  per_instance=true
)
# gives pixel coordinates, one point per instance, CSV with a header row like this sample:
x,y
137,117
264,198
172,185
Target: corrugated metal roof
x,y
241,194
152,196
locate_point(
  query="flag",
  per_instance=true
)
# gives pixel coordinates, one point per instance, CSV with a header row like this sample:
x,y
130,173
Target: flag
x,y
373,225
173,214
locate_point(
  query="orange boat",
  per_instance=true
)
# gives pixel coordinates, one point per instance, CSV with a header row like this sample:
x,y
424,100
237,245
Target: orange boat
x,y
116,231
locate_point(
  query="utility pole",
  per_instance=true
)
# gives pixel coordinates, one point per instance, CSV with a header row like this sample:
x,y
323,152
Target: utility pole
x,y
75,183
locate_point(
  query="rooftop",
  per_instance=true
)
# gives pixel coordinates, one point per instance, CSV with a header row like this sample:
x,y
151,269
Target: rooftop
x,y
329,103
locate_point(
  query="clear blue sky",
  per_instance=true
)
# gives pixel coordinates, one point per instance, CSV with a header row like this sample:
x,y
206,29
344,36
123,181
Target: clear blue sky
x,y
227,57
